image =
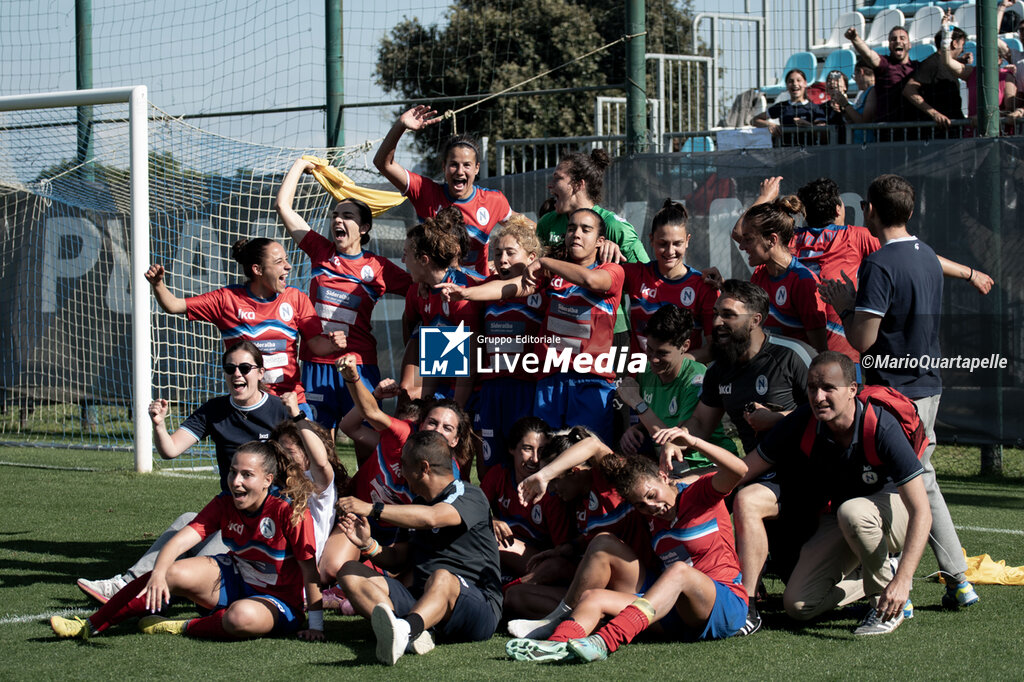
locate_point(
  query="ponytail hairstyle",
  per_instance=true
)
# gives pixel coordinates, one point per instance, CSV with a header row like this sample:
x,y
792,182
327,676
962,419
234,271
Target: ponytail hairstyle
x,y
625,472
671,213
443,239
289,429
467,141
288,476
775,217
365,217
249,252
463,451
562,441
589,169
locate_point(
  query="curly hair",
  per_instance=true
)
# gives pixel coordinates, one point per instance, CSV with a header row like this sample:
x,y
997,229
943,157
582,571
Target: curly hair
x,y
625,472
820,198
289,429
775,217
288,476
519,228
589,169
249,252
443,239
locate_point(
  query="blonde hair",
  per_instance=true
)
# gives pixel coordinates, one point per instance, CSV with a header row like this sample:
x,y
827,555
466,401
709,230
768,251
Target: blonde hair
x,y
520,229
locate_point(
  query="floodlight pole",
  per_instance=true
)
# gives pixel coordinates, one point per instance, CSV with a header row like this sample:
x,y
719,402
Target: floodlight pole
x,y
335,64
636,77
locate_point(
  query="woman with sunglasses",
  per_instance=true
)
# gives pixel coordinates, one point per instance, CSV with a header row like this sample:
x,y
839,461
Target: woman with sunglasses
x,y
246,413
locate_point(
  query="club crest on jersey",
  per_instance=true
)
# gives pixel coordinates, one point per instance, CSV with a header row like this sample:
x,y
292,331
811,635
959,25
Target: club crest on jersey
x,y
673,406
247,314
869,476
366,273
781,296
592,503
286,312
482,216
536,515
534,300
687,296
267,527
761,385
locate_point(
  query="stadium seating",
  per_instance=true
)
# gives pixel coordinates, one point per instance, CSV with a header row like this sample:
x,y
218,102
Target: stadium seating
x,y
918,53
1014,43
840,60
925,25
966,18
879,6
698,144
878,32
951,5
911,9
836,39
972,47
805,61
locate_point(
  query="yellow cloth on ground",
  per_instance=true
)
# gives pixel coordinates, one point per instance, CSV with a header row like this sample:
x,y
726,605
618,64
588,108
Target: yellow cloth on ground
x,y
340,186
984,570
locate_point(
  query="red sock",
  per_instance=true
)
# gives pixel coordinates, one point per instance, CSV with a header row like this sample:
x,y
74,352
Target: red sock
x,y
126,603
208,627
621,629
510,583
566,630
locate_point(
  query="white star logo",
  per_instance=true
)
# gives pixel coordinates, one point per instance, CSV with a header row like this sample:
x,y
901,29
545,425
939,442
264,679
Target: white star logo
x,y
455,338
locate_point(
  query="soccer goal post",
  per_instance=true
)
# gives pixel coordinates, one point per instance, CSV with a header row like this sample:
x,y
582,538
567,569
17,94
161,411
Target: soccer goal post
x,y
43,342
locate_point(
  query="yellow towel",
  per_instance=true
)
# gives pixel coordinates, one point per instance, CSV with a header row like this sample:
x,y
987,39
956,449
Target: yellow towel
x,y
340,186
984,570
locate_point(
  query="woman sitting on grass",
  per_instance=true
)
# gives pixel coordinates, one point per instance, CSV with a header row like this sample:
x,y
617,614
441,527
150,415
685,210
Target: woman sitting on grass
x,y
698,595
253,590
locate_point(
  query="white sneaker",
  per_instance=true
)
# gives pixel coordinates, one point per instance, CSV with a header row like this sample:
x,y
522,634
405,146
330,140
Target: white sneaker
x,y
392,634
421,644
874,625
102,590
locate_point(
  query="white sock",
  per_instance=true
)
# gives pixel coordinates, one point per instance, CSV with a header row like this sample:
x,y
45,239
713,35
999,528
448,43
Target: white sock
x,y
541,628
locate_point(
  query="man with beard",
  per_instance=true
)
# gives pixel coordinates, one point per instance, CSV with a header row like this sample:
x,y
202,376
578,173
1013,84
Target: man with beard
x,y
865,469
756,379
891,71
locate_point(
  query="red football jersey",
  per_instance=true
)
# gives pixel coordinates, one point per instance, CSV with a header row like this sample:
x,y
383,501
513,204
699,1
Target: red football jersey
x,y
794,305
545,524
648,290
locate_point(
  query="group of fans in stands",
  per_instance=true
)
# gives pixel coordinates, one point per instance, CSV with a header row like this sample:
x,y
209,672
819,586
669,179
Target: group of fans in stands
x,y
608,505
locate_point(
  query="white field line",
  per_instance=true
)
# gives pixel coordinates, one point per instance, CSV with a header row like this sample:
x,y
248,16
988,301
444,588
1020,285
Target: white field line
x,y
29,465
981,529
11,620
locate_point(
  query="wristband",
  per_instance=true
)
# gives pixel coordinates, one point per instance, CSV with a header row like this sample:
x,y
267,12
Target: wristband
x,y
316,620
843,315
299,417
378,507
970,276
372,549
354,381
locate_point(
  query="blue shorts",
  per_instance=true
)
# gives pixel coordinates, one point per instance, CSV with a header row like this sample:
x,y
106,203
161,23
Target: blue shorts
x,y
501,404
565,400
474,618
234,588
326,392
728,615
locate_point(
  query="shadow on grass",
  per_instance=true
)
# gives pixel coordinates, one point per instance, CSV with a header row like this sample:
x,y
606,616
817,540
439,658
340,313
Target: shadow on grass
x,y
32,561
982,500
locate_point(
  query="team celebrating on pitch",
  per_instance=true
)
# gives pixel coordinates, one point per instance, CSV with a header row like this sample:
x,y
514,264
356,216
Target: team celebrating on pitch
x,y
611,504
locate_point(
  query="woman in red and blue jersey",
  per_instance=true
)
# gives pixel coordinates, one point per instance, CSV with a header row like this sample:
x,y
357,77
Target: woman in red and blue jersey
x,y
347,281
263,310
481,208
256,588
668,280
699,593
795,309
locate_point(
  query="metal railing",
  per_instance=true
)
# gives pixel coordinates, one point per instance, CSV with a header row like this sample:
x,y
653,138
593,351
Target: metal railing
x,y
610,118
538,153
683,86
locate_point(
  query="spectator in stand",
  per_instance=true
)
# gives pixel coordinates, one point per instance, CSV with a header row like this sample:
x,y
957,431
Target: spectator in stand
x,y
966,71
934,90
891,71
862,109
1017,25
797,111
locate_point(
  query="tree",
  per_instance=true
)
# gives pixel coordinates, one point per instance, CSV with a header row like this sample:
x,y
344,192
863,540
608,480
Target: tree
x,y
485,47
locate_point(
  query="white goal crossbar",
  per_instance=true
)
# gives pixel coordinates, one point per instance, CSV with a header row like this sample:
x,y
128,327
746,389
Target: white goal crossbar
x,y
136,97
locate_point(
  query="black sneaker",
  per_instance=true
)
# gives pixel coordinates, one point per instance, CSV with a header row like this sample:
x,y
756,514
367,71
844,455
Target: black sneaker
x,y
753,623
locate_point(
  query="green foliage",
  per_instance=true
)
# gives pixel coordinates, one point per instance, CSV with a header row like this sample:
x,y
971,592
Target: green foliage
x,y
486,47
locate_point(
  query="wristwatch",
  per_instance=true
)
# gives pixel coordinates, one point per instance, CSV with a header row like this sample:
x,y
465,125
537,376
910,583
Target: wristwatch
x,y
299,417
378,507
641,407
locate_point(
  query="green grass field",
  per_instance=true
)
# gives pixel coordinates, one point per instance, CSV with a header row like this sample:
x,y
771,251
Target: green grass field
x,y
60,525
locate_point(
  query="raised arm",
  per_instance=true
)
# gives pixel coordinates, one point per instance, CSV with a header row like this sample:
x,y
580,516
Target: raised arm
x,y
768,191
862,48
532,488
319,467
293,222
417,118
168,301
361,397
169,445
598,281
731,468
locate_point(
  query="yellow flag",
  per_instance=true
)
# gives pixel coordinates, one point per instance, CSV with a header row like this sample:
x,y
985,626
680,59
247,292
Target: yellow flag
x,y
340,186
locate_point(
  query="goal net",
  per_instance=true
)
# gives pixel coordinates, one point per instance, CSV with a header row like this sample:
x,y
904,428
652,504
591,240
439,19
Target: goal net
x,y
66,289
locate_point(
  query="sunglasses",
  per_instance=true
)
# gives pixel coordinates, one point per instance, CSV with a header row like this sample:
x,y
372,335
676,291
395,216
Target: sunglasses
x,y
243,367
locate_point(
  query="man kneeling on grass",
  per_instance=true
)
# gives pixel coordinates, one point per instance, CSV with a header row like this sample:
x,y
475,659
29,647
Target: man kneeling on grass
x,y
449,545
855,457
